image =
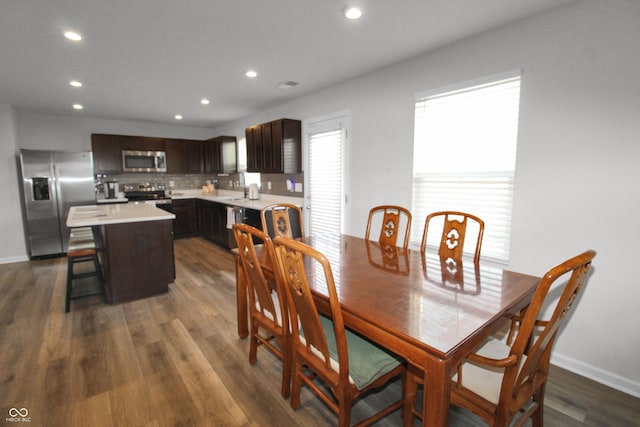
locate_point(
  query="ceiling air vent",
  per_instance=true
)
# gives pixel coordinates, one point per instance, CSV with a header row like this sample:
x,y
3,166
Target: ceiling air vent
x,y
287,85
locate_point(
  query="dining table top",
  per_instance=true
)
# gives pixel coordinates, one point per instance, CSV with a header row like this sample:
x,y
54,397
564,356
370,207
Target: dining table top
x,y
435,304
431,311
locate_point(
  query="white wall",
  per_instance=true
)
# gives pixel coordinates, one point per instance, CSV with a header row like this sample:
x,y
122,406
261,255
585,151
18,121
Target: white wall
x,y
50,132
14,248
577,165
21,129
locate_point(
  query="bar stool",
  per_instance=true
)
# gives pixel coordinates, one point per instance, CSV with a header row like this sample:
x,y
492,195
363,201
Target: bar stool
x,y
82,248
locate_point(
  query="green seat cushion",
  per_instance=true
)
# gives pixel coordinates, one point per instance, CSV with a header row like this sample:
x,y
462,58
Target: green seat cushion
x,y
367,361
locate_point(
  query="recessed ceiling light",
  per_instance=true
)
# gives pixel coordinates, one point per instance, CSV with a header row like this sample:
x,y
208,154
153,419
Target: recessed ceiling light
x,y
204,101
75,83
178,117
251,74
71,35
352,12
77,106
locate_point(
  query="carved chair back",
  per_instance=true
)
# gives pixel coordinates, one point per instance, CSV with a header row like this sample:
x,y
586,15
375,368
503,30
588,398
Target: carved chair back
x,y
394,220
283,219
454,230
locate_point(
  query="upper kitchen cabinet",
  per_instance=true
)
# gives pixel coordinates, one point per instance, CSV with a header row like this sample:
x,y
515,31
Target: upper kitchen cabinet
x,y
107,153
184,156
143,143
274,147
107,150
220,155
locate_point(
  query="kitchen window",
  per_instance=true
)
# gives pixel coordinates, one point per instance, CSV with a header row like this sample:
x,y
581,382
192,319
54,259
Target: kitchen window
x,y
465,141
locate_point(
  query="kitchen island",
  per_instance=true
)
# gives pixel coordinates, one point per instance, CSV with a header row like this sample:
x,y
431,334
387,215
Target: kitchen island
x,y
135,246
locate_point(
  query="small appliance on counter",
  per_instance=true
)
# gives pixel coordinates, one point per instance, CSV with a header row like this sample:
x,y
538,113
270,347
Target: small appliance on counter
x,y
254,192
111,189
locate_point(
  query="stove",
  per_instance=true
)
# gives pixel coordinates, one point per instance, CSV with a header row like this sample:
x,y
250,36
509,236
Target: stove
x,y
137,196
144,191
148,193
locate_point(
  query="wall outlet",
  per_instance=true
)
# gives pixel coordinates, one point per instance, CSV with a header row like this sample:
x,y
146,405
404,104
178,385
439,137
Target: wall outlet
x,y
171,184
268,185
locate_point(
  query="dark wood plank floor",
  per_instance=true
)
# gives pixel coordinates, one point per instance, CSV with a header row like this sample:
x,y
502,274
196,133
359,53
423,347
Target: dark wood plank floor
x,y
176,359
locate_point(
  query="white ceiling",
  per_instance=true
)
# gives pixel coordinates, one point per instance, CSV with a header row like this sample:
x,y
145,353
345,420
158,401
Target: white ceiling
x,y
151,59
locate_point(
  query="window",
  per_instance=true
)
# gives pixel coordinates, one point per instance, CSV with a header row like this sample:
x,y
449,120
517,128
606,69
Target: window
x,y
464,157
247,178
324,174
242,154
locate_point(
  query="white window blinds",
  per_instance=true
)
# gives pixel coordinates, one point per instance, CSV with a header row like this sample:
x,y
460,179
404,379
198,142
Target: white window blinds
x,y
464,158
325,181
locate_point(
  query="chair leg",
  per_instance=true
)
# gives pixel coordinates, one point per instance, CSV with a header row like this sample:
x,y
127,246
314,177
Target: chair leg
x,y
296,385
67,303
253,343
344,412
286,368
98,269
410,396
537,419
413,378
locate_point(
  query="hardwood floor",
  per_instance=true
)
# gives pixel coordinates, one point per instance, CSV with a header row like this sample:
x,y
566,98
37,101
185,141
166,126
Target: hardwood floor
x,y
176,359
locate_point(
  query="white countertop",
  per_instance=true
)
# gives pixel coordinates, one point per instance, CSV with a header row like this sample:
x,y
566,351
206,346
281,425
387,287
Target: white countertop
x,y
84,216
235,198
120,199
228,197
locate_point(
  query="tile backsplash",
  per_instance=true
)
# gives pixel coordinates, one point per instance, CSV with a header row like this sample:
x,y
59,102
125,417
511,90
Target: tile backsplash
x,y
281,184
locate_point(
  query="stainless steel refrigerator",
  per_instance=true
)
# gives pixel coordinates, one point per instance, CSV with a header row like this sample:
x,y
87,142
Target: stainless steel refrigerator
x,y
52,182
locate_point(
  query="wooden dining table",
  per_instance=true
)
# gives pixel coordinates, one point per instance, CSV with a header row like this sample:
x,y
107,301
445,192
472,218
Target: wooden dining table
x,y
430,311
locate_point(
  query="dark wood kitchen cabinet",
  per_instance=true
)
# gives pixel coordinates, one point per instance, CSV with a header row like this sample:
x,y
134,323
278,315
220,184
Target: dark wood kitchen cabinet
x,y
137,259
220,155
185,224
184,156
143,143
275,147
211,220
107,153
195,155
107,150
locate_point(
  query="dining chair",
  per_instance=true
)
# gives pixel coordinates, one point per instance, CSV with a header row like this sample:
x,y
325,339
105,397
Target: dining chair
x,y
347,364
504,383
391,222
267,303
283,220
454,230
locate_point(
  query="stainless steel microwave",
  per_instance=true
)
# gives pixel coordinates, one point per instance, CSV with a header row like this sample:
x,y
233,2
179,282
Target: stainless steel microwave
x,y
144,161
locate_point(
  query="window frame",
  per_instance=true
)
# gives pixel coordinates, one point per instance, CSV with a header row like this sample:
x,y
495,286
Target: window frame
x,y
497,217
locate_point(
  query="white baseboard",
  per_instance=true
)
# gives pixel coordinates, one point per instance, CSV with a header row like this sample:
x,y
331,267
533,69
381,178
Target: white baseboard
x,y
604,377
9,260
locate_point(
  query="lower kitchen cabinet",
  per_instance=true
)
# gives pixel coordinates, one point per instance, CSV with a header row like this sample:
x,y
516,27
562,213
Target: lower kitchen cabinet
x,y
212,221
252,217
209,220
137,259
185,224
